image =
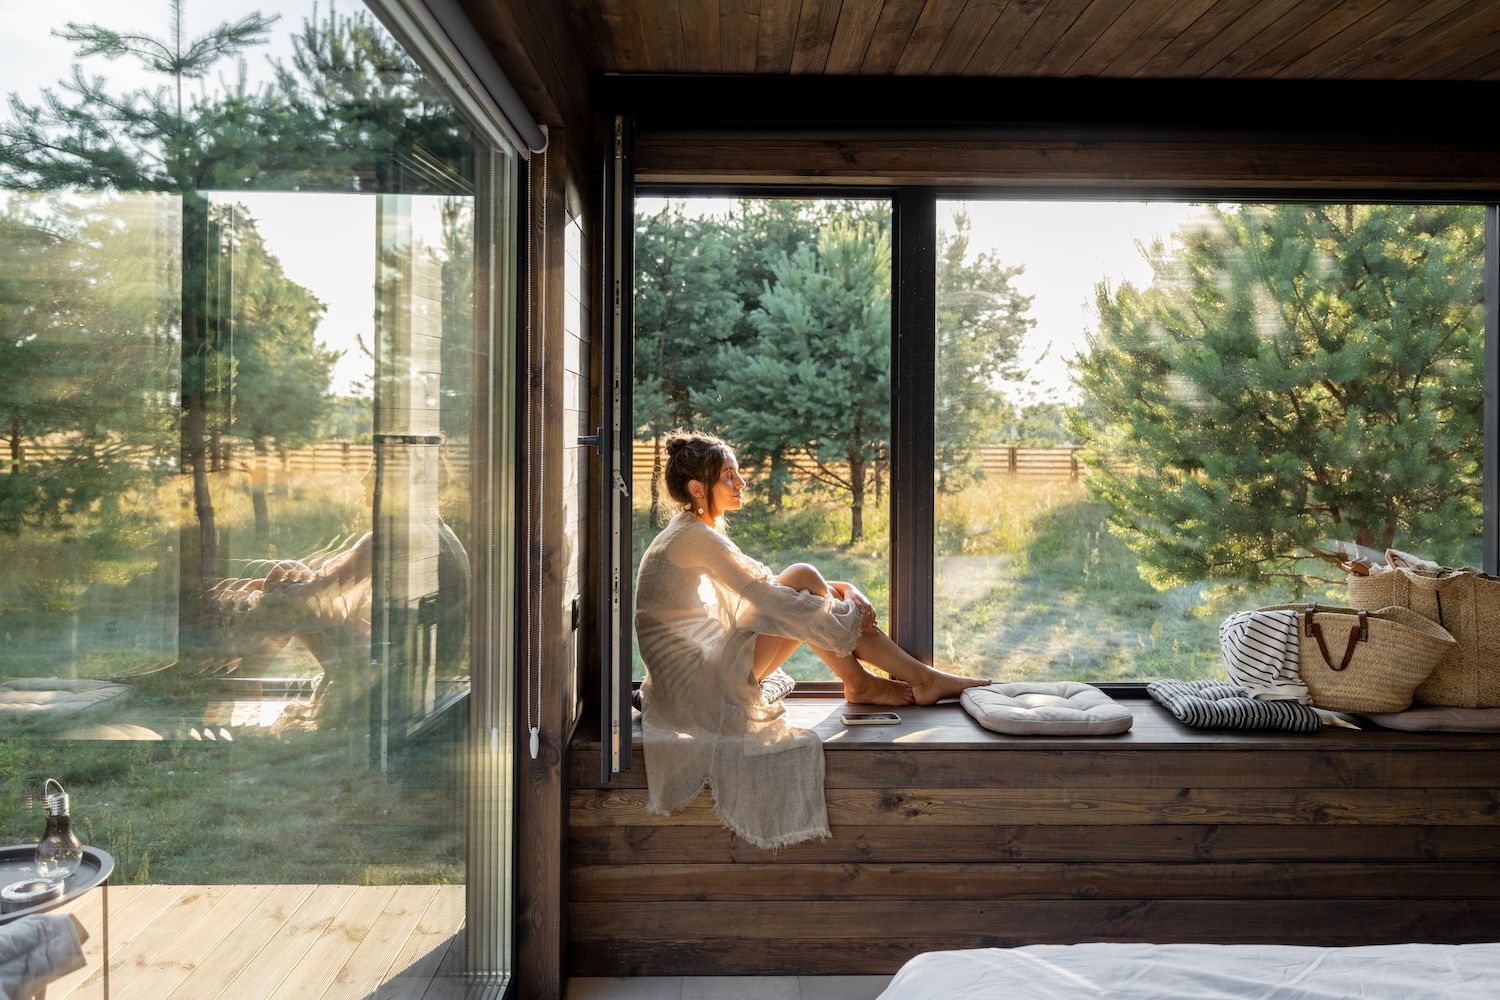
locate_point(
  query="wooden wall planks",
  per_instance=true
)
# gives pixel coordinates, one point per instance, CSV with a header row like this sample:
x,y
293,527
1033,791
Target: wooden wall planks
x,y
1354,838
1308,39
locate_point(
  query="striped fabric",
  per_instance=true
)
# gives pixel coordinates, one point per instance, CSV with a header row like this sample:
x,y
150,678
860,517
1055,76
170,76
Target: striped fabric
x,y
1260,654
1207,704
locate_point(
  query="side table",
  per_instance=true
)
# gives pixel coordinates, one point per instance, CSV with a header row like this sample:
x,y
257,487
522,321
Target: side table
x,y
17,864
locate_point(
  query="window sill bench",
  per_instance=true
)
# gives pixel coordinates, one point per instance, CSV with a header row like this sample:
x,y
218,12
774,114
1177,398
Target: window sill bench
x,y
946,835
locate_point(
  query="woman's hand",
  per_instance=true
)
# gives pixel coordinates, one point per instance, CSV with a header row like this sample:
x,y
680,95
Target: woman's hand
x,y
866,609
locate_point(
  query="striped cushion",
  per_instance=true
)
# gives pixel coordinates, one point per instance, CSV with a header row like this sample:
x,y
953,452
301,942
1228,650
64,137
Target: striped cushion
x,y
1220,705
1260,654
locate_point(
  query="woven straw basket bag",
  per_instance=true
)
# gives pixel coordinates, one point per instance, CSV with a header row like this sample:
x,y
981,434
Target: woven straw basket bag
x,y
1464,602
1366,661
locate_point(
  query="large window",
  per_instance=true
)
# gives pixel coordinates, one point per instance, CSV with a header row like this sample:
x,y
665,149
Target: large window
x,y
1144,415
1152,414
768,323
248,327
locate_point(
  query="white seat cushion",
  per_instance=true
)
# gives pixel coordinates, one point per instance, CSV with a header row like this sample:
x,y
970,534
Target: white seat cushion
x,y
1051,708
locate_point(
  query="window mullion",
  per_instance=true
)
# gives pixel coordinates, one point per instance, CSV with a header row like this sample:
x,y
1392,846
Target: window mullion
x,y
913,401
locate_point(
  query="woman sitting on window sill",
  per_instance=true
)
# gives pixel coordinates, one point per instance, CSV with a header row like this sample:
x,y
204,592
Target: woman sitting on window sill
x,y
711,623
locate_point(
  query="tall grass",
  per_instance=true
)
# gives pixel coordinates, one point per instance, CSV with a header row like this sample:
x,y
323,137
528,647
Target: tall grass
x,y
1030,584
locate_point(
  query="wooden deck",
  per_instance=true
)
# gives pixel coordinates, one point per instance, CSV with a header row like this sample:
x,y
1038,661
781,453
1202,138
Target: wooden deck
x,y
275,942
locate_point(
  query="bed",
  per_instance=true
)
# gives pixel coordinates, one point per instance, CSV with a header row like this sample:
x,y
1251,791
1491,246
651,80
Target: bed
x,y
1166,971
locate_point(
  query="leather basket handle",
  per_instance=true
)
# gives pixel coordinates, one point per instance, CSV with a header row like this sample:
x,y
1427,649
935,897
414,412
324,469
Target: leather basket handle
x,y
1358,633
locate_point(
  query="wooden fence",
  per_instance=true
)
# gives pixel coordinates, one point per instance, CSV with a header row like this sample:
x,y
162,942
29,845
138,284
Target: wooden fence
x,y
324,458
996,460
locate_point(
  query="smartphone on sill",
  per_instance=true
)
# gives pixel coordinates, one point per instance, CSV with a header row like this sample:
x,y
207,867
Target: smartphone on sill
x,y
871,719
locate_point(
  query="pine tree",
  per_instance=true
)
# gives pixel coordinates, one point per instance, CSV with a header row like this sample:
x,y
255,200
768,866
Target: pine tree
x,y
352,112
1294,376
981,322
684,310
280,376
818,377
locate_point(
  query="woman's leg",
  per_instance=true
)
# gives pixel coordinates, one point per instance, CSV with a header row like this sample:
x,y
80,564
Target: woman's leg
x,y
771,651
860,686
928,684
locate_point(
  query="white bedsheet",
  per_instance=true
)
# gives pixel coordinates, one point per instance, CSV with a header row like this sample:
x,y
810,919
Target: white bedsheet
x,y
1238,971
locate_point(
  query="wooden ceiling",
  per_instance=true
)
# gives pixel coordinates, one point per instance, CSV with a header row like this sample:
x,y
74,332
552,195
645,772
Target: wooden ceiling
x,y
1207,39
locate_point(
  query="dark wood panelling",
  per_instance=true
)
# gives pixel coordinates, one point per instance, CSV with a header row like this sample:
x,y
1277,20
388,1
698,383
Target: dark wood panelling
x,y
701,35
851,38
540,798
1169,166
1158,38
894,767
630,845
998,43
1260,32
1423,56
964,38
1265,56
739,28
844,881
1101,20
778,33
1041,35
1124,49
816,22
1340,838
663,33
894,26
885,938
1193,36
1088,807
1387,25
928,36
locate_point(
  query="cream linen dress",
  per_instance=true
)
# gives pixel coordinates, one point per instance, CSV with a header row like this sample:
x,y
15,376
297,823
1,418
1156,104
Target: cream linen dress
x,y
700,604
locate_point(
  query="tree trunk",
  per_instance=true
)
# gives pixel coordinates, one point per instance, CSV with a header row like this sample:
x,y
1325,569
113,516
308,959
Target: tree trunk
x,y
198,552
857,503
778,484
17,455
259,473
655,479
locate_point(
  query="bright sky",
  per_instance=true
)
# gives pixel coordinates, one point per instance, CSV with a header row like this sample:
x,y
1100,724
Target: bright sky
x,y
1064,248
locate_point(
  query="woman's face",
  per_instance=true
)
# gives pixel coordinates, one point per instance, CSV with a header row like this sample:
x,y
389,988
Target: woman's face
x,y
728,492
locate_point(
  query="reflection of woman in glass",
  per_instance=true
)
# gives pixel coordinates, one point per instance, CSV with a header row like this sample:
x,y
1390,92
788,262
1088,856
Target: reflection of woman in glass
x,y
324,603
711,623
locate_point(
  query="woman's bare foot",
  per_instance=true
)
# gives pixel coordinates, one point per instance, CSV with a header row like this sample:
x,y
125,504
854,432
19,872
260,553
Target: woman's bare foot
x,y
935,685
872,690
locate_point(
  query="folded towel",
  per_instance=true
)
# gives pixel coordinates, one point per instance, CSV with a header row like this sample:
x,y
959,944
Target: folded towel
x,y
36,950
1210,704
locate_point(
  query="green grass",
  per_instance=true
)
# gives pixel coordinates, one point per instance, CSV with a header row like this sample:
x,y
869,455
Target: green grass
x,y
295,807
1031,585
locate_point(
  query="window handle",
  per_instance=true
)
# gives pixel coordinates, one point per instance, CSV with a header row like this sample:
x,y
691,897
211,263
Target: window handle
x,y
592,441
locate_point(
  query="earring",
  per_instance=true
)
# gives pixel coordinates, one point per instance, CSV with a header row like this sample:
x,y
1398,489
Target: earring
x,y
700,510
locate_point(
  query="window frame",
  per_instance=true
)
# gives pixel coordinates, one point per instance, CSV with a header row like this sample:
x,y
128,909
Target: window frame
x,y
913,364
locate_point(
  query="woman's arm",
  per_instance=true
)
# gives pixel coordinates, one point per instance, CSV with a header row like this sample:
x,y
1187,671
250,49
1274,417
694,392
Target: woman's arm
x,y
827,620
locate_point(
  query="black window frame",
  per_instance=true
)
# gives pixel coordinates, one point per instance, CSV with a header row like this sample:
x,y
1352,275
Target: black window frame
x,y
913,363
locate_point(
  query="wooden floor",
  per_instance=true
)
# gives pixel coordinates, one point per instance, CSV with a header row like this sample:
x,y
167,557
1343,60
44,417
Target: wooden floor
x,y
274,942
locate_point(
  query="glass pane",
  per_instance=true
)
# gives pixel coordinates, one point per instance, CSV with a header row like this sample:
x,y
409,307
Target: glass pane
x,y
767,322
246,413
1153,414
